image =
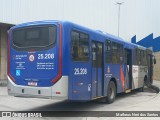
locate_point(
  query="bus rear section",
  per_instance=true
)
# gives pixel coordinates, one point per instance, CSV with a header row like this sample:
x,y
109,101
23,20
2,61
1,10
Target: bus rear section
x,y
35,61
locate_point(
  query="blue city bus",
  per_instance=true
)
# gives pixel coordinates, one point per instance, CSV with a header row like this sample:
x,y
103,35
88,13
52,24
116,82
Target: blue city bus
x,y
63,60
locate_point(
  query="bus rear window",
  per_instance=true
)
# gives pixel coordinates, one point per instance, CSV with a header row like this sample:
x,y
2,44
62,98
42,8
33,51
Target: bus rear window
x,y
34,37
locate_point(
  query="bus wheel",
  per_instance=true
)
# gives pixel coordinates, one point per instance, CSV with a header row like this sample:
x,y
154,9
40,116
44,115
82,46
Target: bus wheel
x,y
111,92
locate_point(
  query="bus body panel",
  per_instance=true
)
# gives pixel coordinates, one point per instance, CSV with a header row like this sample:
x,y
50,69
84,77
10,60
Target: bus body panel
x,y
139,72
39,81
79,73
35,68
58,91
39,71
113,71
78,81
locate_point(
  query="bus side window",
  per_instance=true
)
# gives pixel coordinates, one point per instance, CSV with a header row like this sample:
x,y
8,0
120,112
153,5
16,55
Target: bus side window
x,y
80,46
120,54
93,52
114,52
94,64
139,56
108,51
75,52
117,53
145,57
136,56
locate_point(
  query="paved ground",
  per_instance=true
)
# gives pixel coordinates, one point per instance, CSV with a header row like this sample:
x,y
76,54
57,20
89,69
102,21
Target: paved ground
x,y
135,101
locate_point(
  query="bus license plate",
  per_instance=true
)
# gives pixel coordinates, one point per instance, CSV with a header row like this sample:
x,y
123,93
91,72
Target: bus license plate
x,y
32,83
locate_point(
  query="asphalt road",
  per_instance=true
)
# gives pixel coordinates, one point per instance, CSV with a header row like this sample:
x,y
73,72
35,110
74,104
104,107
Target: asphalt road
x,y
134,101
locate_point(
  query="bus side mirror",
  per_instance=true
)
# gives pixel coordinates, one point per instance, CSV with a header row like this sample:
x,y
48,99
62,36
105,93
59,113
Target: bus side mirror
x,y
154,60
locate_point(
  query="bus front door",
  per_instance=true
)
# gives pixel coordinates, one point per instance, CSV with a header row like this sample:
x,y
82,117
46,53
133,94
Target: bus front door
x,y
128,63
150,66
97,69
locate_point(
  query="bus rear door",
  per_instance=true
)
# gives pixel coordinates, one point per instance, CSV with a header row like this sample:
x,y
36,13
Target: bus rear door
x,y
97,69
128,63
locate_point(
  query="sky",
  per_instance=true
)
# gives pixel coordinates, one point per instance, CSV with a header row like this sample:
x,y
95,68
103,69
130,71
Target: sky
x,y
137,17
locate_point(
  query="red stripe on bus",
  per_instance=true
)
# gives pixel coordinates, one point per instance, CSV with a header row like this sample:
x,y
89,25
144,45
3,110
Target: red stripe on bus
x,y
60,57
122,77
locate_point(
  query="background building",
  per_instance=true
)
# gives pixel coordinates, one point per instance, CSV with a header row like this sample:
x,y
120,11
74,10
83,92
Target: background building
x,y
140,17
3,51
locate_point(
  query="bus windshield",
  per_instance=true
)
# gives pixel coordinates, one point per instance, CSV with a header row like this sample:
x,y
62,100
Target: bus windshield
x,y
35,36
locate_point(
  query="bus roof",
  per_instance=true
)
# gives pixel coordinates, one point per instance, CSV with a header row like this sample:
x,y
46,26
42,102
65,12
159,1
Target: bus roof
x,y
107,35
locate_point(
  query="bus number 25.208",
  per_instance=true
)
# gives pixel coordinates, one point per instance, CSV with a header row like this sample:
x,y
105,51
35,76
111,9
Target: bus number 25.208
x,y
45,56
80,71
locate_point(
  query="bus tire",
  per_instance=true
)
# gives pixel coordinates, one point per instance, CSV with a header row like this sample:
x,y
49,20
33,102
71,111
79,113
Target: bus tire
x,y
111,92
